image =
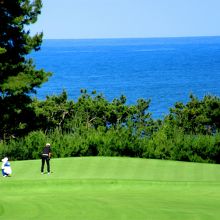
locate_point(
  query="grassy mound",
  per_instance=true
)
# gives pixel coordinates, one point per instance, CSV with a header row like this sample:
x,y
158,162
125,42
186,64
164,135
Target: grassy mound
x,y
111,188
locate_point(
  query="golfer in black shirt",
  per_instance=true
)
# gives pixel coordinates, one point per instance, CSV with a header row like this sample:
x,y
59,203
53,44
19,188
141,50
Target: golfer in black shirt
x,y
46,154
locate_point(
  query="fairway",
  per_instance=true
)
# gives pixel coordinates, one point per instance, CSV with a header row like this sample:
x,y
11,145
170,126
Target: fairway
x,y
111,188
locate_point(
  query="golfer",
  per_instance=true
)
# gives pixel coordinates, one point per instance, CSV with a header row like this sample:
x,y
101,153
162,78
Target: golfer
x,y
46,154
6,167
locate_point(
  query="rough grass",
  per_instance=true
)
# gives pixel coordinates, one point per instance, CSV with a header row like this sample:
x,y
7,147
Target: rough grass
x,y
111,188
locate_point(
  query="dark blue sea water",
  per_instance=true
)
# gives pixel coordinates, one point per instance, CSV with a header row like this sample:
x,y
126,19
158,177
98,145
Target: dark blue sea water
x,y
165,70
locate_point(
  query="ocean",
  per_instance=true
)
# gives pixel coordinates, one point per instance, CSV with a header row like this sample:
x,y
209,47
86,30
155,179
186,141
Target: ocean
x,y
164,70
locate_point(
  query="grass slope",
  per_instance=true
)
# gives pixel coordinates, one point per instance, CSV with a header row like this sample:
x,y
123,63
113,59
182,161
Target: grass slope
x,y
111,188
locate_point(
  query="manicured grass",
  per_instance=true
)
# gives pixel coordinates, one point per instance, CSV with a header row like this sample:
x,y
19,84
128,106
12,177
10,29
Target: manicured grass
x,y
102,188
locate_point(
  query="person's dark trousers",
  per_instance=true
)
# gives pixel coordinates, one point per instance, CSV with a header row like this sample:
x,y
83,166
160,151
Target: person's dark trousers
x,y
47,159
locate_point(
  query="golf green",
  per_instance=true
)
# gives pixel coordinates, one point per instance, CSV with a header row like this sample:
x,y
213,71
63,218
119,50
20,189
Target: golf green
x,y
111,188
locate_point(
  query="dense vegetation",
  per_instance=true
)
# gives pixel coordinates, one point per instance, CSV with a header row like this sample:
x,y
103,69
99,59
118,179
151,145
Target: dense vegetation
x,y
92,125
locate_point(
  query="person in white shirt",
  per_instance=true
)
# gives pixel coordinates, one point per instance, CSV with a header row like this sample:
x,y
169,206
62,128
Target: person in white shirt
x,y
6,168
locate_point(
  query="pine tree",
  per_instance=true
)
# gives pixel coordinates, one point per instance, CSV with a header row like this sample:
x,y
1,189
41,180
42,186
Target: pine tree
x,y
18,75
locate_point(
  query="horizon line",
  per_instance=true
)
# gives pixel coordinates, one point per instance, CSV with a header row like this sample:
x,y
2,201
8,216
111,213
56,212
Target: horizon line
x,y
109,38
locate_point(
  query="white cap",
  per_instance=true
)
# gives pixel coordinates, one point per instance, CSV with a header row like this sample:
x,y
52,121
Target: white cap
x,y
4,160
47,144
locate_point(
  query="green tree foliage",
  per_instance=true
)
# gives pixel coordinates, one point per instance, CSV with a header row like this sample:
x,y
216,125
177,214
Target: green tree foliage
x,y
197,116
93,126
90,111
18,76
51,113
2,50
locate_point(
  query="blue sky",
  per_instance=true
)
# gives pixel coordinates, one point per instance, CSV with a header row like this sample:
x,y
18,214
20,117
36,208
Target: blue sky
x,y
76,19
